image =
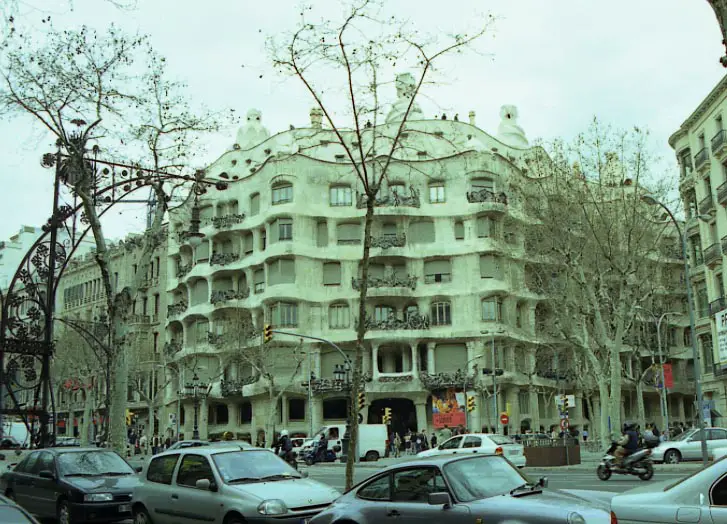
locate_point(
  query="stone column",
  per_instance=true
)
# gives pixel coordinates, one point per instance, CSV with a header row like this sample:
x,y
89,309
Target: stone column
x,y
375,361
430,357
203,419
421,408
511,397
414,359
233,416
470,355
535,410
284,411
188,408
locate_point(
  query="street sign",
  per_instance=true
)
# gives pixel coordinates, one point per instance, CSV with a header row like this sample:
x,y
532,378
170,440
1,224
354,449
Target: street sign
x,y
564,424
504,419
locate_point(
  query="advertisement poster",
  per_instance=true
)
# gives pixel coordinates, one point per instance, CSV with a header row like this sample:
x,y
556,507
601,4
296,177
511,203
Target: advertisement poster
x,y
448,408
721,322
668,376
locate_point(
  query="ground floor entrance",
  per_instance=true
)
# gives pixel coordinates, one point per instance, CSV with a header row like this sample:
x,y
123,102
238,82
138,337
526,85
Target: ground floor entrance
x,y
403,414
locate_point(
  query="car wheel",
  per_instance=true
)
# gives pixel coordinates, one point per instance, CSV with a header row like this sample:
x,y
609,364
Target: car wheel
x,y
371,456
672,457
646,475
64,512
309,462
141,516
603,472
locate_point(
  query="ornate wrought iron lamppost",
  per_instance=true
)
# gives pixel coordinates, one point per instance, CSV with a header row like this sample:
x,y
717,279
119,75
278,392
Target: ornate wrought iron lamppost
x,y
720,10
196,390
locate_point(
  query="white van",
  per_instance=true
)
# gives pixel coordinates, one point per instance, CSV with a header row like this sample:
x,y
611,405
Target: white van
x,y
373,439
17,431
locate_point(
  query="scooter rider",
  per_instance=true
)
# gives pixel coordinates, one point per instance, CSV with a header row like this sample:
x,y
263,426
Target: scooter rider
x,y
284,449
627,444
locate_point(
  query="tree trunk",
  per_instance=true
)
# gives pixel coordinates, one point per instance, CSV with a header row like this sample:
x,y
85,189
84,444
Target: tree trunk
x,y
640,394
117,410
357,382
272,413
150,426
614,400
604,431
592,420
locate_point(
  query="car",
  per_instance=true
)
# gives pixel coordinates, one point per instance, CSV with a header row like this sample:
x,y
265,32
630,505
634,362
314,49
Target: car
x,y
699,497
182,444
11,513
65,442
480,443
688,446
226,485
455,488
73,485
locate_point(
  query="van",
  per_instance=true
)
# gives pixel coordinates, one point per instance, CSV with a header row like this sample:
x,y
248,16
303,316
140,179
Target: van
x,y
17,431
373,439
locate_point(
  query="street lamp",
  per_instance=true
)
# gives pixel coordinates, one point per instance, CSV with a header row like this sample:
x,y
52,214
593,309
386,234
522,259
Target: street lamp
x,y
648,199
196,390
720,11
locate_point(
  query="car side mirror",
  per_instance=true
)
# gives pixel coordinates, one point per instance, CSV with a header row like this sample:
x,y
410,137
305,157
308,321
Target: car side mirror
x,y
543,482
46,474
440,499
205,484
138,469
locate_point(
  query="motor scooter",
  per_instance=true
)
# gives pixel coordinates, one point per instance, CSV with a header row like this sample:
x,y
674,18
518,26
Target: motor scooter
x,y
312,456
638,463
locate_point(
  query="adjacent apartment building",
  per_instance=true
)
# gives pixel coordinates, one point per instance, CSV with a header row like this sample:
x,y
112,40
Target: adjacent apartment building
x,y
700,145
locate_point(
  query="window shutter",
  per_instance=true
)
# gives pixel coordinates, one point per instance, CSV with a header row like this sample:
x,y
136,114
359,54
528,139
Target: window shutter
x,y
434,267
247,243
484,227
488,266
274,231
255,204
322,234
349,232
287,271
202,251
259,276
421,232
389,229
376,270
459,230
332,274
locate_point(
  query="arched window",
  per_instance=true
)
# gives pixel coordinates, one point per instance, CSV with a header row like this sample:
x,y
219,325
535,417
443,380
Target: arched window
x,y
282,193
441,314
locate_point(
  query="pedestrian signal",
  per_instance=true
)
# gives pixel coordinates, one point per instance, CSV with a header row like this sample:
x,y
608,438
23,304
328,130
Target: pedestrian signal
x,y
470,404
387,415
267,333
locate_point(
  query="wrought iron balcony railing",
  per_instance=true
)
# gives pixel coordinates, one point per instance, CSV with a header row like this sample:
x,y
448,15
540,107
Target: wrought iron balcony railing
x,y
717,305
172,347
718,142
215,339
222,259
700,159
177,309
390,280
706,204
411,321
722,193
226,221
458,379
218,297
713,255
392,199
387,241
139,319
485,195
230,388
183,270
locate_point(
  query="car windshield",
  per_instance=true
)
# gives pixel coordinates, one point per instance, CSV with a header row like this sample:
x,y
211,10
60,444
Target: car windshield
x,y
482,477
92,463
252,466
685,435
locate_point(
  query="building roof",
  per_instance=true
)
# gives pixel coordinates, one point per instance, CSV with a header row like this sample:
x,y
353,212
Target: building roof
x,y
702,108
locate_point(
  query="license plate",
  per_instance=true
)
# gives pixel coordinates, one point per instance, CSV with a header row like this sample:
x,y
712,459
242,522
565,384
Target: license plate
x,y
513,452
125,508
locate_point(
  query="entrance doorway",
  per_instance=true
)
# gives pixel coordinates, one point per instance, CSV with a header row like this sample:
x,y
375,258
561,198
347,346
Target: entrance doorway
x,y
403,414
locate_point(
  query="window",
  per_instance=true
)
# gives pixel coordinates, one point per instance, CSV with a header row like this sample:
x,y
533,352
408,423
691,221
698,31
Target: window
x,y
490,267
341,196
285,229
389,230
382,313
492,309
339,316
459,230
161,468
421,232
192,469
322,234
27,464
485,227
259,280
284,314
156,304
245,413
397,189
282,193
472,442
247,241
479,184
45,462
441,314
349,233
296,409
332,274
436,193
523,401
410,312
378,489
717,434
202,253
718,493
263,239
415,485
452,443
437,271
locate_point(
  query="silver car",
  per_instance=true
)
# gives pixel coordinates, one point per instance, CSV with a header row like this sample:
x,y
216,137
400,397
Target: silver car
x,y
688,446
219,484
455,489
700,497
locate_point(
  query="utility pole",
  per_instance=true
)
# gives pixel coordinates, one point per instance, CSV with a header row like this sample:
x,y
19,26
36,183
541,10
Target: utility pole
x,y
494,385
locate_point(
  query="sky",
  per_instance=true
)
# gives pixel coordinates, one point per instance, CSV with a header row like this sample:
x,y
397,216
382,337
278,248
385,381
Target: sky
x,y
645,63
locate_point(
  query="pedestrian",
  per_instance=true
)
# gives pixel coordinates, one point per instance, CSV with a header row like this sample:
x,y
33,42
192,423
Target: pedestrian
x,y
397,445
446,433
585,435
433,440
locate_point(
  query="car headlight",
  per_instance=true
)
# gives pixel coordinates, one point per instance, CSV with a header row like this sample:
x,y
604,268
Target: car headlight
x,y
98,497
576,518
272,507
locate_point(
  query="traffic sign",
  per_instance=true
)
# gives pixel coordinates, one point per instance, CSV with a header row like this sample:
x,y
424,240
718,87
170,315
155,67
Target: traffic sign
x,y
564,424
504,419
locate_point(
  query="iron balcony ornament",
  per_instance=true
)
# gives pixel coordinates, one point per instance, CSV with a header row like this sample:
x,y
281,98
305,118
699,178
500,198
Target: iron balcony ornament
x,y
439,381
413,320
485,195
222,259
390,280
183,270
218,297
392,199
227,221
387,241
177,309
230,388
397,379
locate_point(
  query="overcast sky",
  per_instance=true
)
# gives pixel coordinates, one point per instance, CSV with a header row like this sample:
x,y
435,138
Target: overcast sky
x,y
644,62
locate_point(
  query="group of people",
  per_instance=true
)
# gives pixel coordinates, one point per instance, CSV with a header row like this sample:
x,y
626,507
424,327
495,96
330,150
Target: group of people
x,y
413,442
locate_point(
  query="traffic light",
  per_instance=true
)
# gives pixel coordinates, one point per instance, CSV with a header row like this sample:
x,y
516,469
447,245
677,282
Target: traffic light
x,y
129,416
267,333
387,416
565,402
361,401
470,404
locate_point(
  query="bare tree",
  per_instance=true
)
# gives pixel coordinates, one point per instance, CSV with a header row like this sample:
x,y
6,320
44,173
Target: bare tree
x,y
598,246
344,59
84,88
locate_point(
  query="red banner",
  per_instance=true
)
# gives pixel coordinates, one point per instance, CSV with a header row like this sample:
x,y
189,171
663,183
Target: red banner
x,y
668,377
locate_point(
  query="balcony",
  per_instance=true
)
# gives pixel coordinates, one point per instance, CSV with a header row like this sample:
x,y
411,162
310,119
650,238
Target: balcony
x,y
485,195
692,227
387,241
222,259
722,194
717,305
701,159
719,370
218,297
183,270
713,255
393,199
230,388
139,319
411,321
706,205
174,310
719,143
391,280
172,348
227,221
439,381
148,283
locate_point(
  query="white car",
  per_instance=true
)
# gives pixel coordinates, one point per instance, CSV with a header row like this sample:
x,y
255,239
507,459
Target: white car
x,y
485,443
688,446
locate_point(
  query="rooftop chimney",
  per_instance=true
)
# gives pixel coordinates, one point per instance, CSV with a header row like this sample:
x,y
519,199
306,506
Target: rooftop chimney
x,y
316,118
472,118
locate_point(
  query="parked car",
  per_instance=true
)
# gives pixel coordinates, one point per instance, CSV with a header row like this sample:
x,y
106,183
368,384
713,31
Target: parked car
x,y
73,485
183,444
66,442
11,513
218,484
480,443
700,497
453,489
688,446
